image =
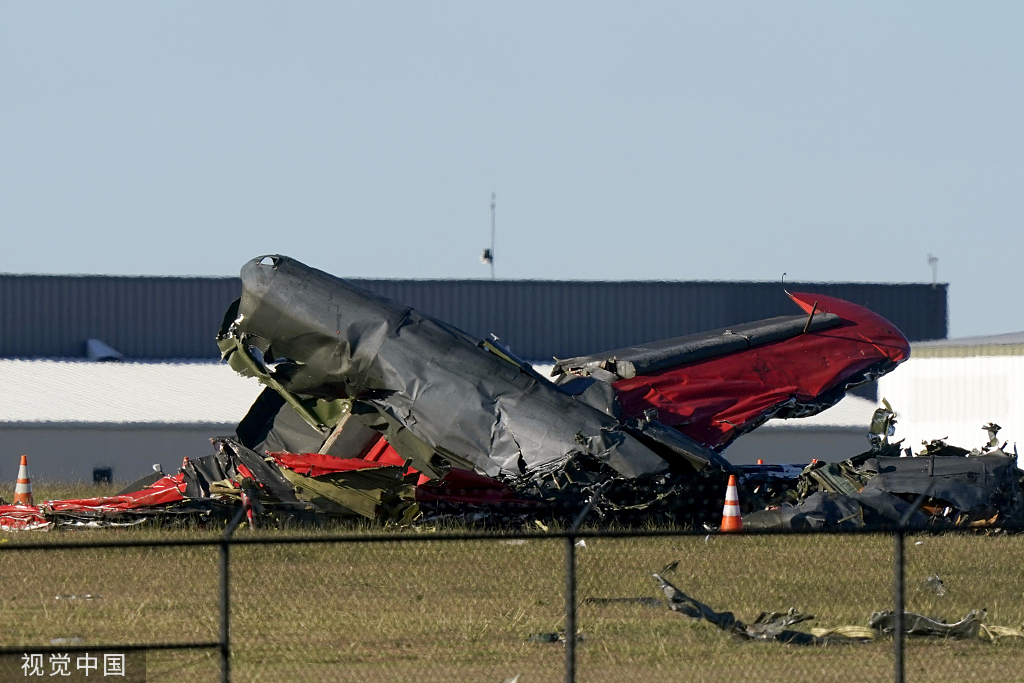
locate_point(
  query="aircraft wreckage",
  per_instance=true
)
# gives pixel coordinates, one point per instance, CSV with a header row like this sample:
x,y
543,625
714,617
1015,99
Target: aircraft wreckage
x,y
372,409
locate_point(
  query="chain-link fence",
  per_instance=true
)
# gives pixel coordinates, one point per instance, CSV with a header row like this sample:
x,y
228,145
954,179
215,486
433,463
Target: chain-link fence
x,y
432,605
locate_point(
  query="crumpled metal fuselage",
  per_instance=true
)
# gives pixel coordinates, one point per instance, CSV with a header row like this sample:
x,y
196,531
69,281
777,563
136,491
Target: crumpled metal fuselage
x,y
322,336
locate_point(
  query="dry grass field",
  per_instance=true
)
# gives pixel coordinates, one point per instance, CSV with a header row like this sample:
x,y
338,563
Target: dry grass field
x,y
440,611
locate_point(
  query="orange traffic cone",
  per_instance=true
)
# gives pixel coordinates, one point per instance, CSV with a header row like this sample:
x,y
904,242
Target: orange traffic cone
x,y
731,520
23,489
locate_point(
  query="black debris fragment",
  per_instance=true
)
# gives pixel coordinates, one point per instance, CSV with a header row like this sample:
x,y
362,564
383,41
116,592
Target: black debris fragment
x,y
919,625
769,626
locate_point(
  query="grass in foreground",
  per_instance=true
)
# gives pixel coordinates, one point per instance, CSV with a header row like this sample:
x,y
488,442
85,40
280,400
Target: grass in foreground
x,y
435,610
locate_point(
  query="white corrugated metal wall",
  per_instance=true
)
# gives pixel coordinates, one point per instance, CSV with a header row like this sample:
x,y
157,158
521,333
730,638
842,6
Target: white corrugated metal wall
x,y
953,397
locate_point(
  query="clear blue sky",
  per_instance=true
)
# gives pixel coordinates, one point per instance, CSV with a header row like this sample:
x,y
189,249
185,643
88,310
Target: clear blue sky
x,y
831,141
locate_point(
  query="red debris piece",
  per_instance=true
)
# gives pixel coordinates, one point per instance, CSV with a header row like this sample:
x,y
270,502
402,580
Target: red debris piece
x,y
168,489
21,518
316,464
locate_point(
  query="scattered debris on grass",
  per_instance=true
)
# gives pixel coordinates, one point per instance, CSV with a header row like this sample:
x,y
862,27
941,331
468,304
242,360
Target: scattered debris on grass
x,y
646,602
769,626
553,637
87,596
774,626
934,585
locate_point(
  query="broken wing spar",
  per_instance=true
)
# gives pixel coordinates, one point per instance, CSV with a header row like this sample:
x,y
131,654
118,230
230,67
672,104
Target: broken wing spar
x,y
348,361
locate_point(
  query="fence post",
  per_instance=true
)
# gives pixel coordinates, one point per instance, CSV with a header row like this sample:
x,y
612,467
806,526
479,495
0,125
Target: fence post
x,y
897,617
225,592
570,608
570,586
897,587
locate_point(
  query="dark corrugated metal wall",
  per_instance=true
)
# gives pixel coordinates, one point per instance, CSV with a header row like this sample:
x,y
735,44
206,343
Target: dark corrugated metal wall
x,y
540,319
142,317
163,318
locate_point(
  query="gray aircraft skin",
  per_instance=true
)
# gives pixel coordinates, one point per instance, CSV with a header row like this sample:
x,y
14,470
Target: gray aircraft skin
x,y
320,336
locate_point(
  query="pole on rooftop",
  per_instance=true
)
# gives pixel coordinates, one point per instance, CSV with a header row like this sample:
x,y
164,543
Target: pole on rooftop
x,y
493,207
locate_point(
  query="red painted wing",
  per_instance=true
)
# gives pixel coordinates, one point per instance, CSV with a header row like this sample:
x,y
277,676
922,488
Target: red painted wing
x,y
715,400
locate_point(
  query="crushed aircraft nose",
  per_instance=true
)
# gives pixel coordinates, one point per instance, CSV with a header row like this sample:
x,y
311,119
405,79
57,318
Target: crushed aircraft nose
x,y
442,398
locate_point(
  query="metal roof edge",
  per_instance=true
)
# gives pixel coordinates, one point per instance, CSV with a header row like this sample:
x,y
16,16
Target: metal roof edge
x,y
129,361
225,278
967,351
121,276
788,284
783,425
224,427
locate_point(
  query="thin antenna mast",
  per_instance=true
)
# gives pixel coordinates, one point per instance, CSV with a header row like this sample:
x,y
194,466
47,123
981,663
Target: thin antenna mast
x,y
493,207
488,255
